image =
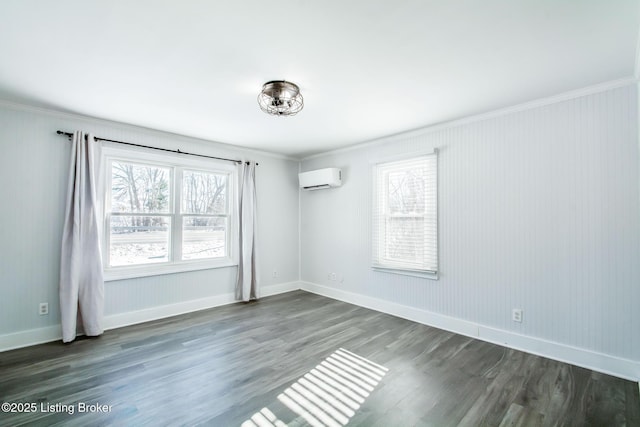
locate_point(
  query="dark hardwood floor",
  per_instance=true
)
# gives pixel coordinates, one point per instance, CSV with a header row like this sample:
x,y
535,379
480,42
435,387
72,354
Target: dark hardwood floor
x,y
252,363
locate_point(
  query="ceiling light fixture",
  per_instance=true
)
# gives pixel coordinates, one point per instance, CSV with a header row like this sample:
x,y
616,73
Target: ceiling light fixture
x,y
280,98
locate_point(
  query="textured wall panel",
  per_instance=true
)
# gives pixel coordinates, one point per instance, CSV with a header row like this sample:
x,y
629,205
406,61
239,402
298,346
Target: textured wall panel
x,y
34,168
539,210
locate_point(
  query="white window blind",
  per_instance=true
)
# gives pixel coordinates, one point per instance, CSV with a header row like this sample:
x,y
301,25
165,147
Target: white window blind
x,y
405,218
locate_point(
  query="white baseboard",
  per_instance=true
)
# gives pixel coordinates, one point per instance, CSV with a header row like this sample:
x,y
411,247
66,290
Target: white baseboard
x,y
154,313
600,362
113,321
623,368
280,288
30,337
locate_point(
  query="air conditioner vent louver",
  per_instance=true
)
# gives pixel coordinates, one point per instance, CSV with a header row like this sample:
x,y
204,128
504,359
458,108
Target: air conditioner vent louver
x,y
320,179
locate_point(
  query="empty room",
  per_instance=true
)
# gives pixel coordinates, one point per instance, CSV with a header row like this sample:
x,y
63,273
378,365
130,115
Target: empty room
x,y
297,213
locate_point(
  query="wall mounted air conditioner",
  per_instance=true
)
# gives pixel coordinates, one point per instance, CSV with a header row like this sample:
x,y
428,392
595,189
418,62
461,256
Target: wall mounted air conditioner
x,y
321,178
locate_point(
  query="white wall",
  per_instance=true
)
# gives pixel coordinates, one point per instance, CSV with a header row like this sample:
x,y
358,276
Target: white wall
x,y
539,210
33,164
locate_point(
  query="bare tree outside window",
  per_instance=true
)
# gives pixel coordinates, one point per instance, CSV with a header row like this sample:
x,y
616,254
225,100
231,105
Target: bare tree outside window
x,y
137,193
405,216
166,213
205,207
405,220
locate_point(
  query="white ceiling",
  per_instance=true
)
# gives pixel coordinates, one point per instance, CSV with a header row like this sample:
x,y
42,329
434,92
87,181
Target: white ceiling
x,y
366,68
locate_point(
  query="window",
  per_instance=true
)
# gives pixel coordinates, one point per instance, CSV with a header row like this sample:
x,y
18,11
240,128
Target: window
x,y
405,222
165,214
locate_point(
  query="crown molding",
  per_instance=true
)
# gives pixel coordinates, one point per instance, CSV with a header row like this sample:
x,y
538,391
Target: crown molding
x,y
95,120
565,96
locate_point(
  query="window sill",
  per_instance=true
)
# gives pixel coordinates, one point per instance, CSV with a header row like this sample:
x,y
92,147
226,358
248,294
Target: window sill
x,y
121,273
432,275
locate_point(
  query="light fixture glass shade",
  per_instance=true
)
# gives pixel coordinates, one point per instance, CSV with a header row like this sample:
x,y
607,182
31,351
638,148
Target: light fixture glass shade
x,y
280,98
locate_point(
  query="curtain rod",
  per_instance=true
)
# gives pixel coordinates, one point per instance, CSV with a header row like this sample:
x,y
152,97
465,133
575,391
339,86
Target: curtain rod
x,y
69,134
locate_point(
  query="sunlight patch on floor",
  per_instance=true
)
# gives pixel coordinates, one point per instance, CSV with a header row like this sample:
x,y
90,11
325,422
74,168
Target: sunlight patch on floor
x,y
328,395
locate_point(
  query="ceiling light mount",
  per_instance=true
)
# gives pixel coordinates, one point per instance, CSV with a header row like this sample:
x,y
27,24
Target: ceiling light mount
x,y
280,98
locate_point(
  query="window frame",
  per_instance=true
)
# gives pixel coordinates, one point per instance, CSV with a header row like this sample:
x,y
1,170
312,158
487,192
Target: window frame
x,y
177,165
380,214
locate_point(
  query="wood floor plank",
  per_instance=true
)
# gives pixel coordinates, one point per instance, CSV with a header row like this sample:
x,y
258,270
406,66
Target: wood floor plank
x,y
222,366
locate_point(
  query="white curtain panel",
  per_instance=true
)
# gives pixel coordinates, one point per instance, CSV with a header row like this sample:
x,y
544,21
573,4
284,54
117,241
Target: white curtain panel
x,y
247,283
81,281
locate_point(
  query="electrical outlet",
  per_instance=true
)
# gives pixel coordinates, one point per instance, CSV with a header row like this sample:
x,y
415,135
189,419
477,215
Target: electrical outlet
x,y
43,308
333,276
516,315
275,274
